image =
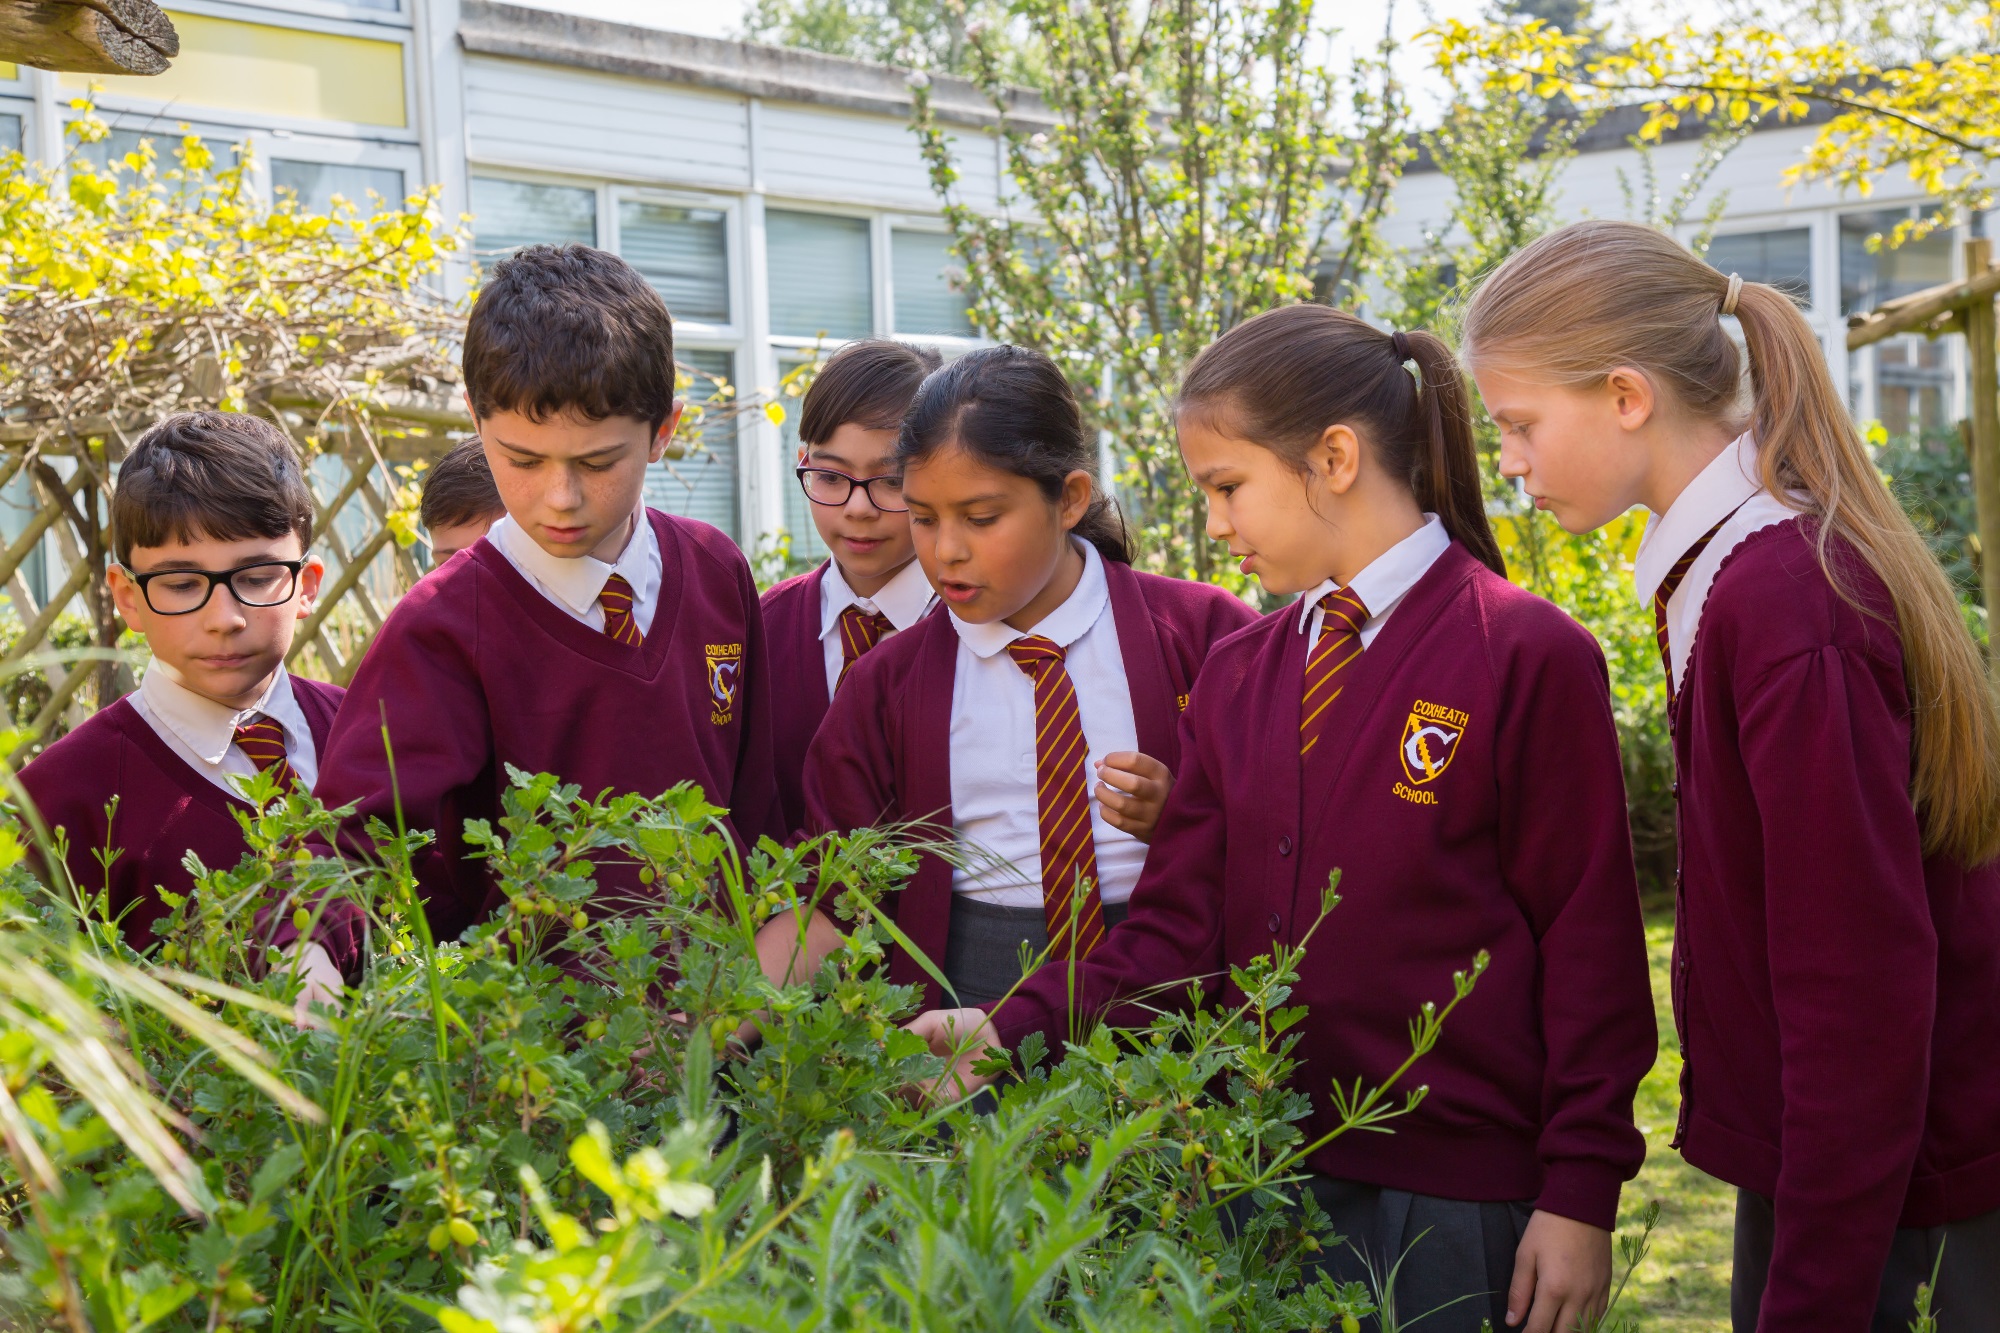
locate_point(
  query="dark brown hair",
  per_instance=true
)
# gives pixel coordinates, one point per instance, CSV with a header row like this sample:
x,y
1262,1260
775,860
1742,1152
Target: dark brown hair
x,y
869,383
1280,379
458,488
566,328
219,475
1011,408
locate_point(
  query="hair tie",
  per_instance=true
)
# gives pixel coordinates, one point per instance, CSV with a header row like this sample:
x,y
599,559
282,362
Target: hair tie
x,y
1401,343
1729,297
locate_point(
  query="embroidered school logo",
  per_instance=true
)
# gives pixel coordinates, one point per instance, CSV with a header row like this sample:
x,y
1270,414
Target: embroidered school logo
x,y
1430,739
725,673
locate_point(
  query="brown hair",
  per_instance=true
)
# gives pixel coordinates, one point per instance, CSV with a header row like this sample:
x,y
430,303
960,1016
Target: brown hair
x,y
220,475
458,488
567,328
869,383
1582,301
1281,379
1012,408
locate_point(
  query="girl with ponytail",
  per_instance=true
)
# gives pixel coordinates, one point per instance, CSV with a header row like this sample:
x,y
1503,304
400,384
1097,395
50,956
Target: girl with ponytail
x,y
1444,741
1037,718
1836,977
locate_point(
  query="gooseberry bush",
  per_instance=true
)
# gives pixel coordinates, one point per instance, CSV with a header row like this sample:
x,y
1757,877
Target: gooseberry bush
x,y
552,1124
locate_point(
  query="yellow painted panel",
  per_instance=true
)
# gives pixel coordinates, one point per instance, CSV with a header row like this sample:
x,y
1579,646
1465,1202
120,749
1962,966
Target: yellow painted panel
x,y
235,66
8,72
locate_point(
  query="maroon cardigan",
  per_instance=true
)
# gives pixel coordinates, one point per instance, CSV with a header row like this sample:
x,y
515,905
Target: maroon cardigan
x,y
475,670
884,752
165,808
798,683
1518,846
1837,992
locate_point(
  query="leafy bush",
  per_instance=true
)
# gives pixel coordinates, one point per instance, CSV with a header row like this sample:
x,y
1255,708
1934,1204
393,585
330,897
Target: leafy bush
x,y
549,1124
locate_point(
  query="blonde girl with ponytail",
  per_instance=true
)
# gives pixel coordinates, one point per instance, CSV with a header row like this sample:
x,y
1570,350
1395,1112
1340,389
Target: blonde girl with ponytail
x,y
1836,978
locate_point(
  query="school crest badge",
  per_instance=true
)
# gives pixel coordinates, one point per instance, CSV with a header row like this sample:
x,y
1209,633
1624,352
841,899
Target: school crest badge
x,y
1430,740
725,677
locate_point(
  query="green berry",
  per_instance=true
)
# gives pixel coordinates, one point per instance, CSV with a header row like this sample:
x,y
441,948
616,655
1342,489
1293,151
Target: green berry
x,y
647,874
439,1238
1349,1324
462,1232
580,920
594,1029
301,919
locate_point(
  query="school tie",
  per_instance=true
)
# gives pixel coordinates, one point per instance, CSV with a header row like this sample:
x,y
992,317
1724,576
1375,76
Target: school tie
x,y
1664,594
1342,616
263,743
859,631
616,599
1062,801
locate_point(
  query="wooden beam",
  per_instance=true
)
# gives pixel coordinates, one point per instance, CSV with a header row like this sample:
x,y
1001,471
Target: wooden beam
x,y
88,36
1982,356
1910,314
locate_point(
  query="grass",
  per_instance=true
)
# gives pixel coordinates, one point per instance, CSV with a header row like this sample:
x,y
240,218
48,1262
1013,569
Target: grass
x,y
1683,1287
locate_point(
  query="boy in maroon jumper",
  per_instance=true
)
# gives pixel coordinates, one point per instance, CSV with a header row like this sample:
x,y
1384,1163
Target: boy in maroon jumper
x,y
821,623
460,502
586,635
211,521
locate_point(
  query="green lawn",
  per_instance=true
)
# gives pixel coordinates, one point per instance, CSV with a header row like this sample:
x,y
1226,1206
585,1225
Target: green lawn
x,y
1683,1286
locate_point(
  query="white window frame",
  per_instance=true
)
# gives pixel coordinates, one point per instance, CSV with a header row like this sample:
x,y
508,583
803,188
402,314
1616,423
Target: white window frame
x,y
1866,362
878,278
949,345
694,332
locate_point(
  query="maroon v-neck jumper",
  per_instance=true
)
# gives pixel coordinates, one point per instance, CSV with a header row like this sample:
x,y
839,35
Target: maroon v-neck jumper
x,y
884,751
476,670
1512,839
165,810
1837,992
798,683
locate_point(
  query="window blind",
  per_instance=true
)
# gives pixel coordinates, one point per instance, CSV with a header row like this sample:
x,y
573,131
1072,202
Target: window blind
x,y
702,485
510,214
922,271
821,280
683,252
315,184
1781,259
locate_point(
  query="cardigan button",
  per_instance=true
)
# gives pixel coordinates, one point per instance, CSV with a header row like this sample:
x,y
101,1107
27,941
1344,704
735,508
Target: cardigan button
x,y
1285,844
1273,922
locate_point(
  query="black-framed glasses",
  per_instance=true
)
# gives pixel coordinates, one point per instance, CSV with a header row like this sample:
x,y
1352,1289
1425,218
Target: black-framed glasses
x,y
181,592
824,486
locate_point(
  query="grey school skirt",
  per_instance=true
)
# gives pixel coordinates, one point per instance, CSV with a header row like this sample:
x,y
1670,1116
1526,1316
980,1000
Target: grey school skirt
x,y
984,952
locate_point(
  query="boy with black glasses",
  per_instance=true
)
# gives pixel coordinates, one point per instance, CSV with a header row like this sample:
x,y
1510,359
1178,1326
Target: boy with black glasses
x,y
822,622
211,524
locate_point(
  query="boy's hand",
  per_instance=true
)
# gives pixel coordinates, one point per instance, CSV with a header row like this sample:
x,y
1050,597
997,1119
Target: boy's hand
x,y
962,1036
321,984
1562,1275
1131,789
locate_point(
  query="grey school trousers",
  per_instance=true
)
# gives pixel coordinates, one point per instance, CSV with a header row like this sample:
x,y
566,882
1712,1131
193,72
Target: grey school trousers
x,y
982,955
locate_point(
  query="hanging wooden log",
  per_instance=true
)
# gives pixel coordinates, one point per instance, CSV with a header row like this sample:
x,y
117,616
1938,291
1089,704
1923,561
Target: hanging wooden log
x,y
88,36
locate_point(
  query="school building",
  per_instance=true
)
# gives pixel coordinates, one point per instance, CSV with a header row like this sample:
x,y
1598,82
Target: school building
x,y
778,199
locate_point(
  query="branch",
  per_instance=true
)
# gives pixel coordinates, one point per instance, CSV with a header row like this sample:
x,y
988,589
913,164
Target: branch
x,y
88,36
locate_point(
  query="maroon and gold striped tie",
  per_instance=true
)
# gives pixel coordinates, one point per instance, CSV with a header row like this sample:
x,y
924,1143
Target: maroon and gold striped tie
x,y
1664,594
1074,915
616,599
859,631
263,743
1342,616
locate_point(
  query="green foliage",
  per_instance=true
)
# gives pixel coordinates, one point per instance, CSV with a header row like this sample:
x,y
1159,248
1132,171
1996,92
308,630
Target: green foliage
x,y
921,34
1930,475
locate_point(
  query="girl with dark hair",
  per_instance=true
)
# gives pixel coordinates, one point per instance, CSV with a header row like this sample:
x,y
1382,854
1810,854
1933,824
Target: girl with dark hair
x,y
1442,739
1038,719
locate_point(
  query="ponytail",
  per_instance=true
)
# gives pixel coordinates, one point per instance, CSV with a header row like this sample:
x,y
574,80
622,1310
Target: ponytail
x,y
1594,296
1288,374
1012,408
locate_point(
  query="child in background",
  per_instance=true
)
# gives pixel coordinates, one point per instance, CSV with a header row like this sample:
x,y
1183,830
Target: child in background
x,y
587,636
212,527
459,502
1836,974
1057,664
1443,739
819,624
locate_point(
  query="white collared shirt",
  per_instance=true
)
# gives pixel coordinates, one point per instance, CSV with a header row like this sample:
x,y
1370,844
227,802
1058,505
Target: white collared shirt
x,y
203,732
573,582
1383,582
993,784
903,599
1730,487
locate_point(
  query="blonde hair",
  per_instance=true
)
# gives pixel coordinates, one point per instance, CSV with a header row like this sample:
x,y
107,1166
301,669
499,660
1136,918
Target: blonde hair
x,y
1591,297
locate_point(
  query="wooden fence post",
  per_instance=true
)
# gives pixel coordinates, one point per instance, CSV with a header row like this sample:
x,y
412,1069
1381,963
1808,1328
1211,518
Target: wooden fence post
x,y
1982,354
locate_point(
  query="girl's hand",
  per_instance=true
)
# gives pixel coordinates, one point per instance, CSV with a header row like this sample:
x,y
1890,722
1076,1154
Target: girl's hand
x,y
1562,1275
321,984
1131,789
962,1036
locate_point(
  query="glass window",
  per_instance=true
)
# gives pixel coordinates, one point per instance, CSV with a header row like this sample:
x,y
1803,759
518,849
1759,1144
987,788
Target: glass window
x,y
702,485
315,184
1867,279
507,215
1781,259
822,284
10,134
120,143
683,252
805,541
1913,384
925,276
